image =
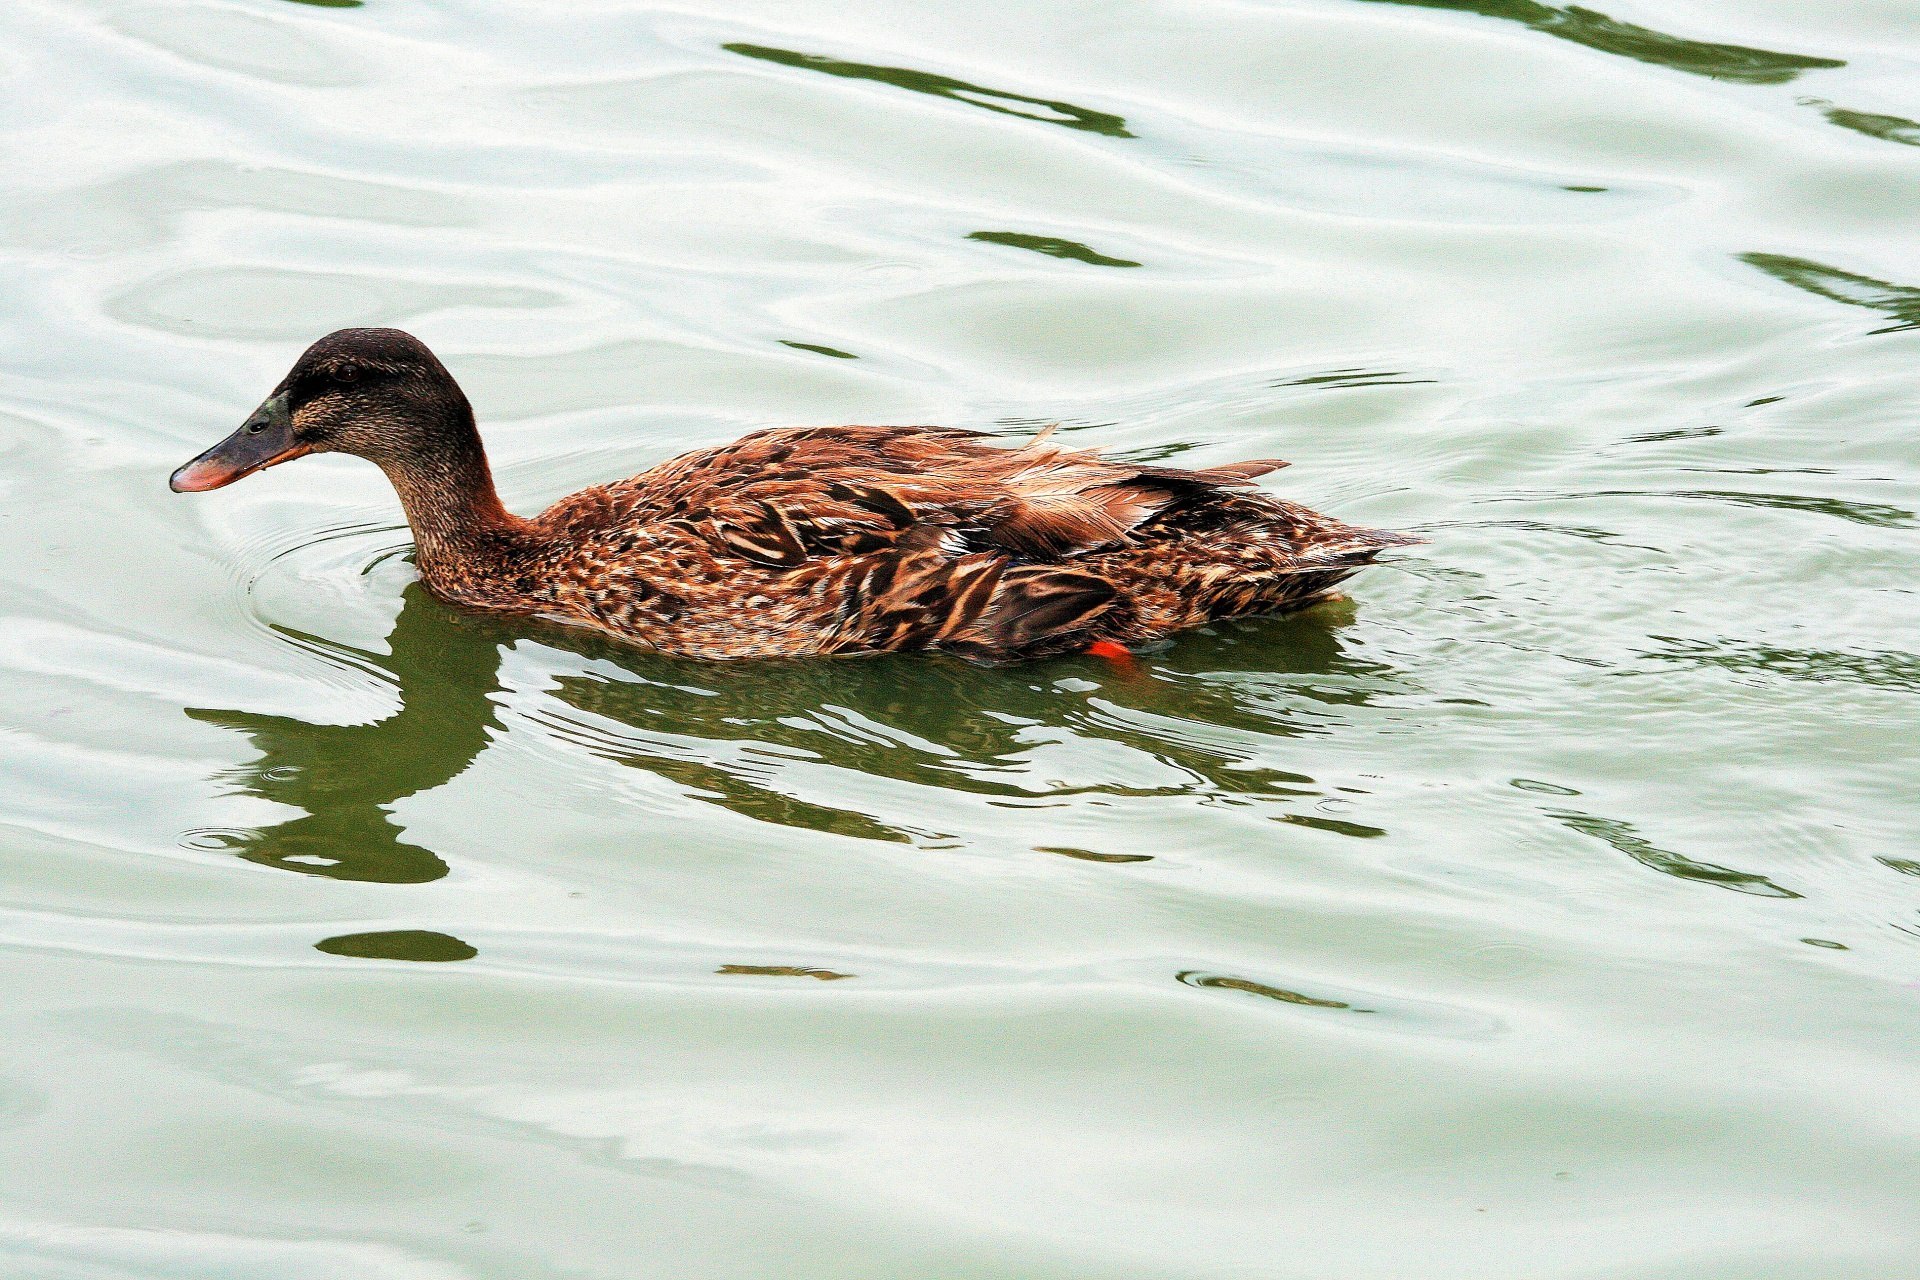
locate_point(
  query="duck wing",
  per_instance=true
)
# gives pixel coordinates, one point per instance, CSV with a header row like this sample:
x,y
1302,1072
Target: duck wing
x,y
917,595
776,497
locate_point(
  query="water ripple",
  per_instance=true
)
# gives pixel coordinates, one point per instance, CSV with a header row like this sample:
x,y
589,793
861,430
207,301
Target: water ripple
x,y
529,954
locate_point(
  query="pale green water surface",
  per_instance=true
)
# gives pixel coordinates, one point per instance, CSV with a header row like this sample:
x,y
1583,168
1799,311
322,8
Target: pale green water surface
x,y
1550,910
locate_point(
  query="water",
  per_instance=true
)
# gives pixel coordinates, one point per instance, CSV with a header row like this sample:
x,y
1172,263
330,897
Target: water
x,y
1550,910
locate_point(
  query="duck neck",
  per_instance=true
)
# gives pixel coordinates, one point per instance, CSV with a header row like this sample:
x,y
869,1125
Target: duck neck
x,y
462,534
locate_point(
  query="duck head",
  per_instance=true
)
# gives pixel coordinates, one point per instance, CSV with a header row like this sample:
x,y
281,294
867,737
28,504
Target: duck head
x,y
378,394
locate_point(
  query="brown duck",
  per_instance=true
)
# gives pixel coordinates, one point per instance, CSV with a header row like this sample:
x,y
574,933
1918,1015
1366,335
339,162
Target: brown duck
x,y
809,540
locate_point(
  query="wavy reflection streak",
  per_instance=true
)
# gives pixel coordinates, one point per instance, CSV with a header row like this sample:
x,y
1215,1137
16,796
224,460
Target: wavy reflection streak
x,y
1595,30
1900,301
345,777
1622,837
939,86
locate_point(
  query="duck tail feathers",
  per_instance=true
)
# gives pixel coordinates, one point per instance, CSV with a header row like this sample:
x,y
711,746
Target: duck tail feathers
x,y
1355,549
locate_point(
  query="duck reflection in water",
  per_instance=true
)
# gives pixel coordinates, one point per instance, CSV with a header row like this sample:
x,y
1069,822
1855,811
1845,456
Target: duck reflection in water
x,y
727,733
446,668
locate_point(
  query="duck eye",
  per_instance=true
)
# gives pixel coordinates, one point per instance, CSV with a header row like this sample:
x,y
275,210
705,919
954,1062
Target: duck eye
x,y
346,373
255,428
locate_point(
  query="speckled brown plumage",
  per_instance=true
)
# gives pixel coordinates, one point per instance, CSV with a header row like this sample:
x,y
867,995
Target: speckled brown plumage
x,y
814,540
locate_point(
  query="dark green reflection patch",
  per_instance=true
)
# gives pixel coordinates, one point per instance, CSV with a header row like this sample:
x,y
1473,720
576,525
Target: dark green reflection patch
x,y
1609,35
1195,978
332,4
939,86
1900,301
1888,128
1052,246
1879,515
782,971
399,944
1088,855
1623,837
819,350
1347,379
1338,826
1878,668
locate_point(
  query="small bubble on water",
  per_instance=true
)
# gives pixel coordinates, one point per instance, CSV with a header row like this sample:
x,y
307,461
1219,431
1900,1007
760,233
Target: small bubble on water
x,y
212,839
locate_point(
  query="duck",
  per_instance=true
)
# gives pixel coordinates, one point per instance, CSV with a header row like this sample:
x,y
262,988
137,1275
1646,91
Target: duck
x,y
822,541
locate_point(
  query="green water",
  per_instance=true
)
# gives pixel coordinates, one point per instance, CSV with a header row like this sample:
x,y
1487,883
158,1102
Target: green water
x,y
1552,909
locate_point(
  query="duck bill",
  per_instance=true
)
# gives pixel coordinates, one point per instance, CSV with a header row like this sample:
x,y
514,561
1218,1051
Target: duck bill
x,y
263,440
